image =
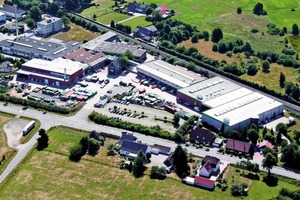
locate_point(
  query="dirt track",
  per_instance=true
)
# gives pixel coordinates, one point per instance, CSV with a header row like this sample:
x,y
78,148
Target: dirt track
x,y
13,130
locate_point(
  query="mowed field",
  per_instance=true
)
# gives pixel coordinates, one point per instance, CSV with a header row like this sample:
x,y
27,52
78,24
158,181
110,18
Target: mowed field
x,y
137,21
75,33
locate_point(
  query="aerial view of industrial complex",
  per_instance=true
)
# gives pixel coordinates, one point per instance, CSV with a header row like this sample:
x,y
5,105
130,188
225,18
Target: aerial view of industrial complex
x,y
149,99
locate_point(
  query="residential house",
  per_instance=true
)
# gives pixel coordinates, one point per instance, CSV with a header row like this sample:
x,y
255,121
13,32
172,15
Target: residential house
x,y
264,144
169,161
130,149
145,33
210,164
204,183
203,136
238,145
163,10
159,149
6,67
127,136
134,7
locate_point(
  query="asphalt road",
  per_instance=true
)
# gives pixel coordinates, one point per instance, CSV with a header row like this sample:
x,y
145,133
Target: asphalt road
x,y
80,121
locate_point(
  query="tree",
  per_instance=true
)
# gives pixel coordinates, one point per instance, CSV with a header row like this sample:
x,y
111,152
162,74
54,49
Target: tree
x,y
239,10
282,79
194,38
158,172
281,128
156,16
180,161
138,167
94,28
129,55
264,132
30,23
65,21
123,60
84,142
290,155
295,30
269,162
176,119
265,66
259,9
42,140
76,153
278,138
252,70
94,146
35,13
253,135
112,24
149,11
216,35
237,190
205,35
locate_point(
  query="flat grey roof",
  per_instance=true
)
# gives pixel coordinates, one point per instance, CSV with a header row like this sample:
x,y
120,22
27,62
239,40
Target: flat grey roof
x,y
119,48
48,20
30,45
63,50
209,89
171,73
94,43
11,9
246,107
58,65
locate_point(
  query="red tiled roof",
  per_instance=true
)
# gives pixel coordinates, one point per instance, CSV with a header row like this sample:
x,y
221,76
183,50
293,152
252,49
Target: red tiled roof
x,y
163,7
265,143
207,166
238,145
204,181
211,159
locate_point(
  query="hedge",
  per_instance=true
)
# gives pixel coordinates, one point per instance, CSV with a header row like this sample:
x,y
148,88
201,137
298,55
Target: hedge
x,y
99,118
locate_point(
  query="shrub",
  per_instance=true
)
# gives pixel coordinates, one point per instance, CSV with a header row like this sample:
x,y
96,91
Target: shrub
x,y
158,173
76,153
254,30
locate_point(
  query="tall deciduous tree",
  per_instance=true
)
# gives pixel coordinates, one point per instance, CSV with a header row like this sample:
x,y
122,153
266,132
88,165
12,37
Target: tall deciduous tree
x,y
282,79
217,35
35,13
42,140
253,136
259,9
138,167
65,21
269,162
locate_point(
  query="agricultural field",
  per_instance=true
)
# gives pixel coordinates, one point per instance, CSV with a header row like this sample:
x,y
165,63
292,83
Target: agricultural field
x,y
207,15
75,33
50,174
137,21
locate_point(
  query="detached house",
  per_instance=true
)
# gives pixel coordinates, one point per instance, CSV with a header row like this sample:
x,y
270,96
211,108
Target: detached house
x,y
134,7
145,33
163,10
127,136
210,165
238,146
130,149
265,144
203,136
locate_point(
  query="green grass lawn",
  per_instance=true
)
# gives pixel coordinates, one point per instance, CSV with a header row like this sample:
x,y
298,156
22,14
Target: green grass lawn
x,y
138,21
49,174
103,12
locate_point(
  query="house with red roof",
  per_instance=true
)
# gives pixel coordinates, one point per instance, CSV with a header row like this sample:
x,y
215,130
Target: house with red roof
x,y
238,146
210,164
264,144
204,182
163,10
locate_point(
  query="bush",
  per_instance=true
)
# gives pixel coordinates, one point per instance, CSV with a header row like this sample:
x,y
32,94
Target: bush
x,y
238,189
76,153
158,173
254,30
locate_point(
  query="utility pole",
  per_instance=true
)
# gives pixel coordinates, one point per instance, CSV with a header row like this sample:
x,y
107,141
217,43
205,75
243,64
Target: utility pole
x,y
16,20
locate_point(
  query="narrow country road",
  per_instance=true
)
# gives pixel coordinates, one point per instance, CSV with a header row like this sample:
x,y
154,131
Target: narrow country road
x,y
80,121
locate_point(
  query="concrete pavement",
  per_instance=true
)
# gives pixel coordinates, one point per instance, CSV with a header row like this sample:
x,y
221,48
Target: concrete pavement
x,y
80,122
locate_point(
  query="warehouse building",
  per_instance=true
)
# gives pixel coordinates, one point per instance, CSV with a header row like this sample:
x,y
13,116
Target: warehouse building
x,y
173,76
94,43
11,12
238,113
58,73
199,93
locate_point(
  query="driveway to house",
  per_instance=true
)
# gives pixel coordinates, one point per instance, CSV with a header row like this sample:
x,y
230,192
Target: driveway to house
x,y
78,121
130,18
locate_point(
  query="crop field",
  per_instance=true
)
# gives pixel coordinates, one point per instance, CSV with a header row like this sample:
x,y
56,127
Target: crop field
x,y
137,21
75,33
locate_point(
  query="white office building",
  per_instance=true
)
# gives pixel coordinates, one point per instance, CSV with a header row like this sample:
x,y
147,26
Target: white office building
x,y
49,26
